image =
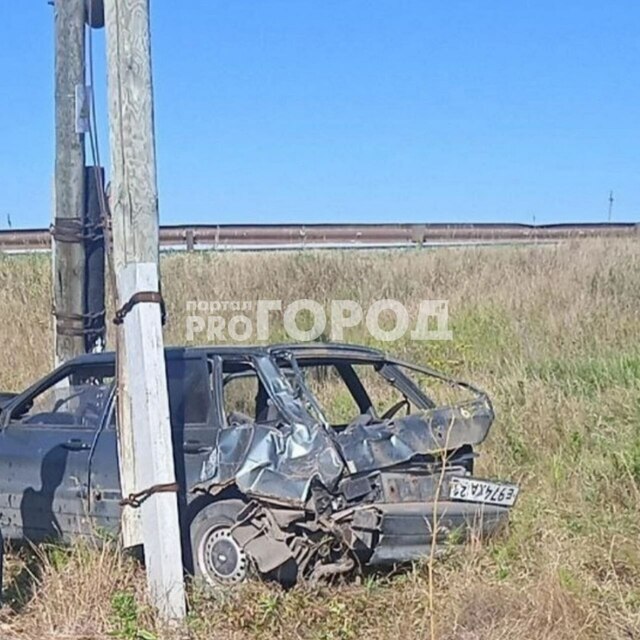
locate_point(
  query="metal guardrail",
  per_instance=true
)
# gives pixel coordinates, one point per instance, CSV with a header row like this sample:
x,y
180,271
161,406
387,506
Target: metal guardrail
x,y
264,236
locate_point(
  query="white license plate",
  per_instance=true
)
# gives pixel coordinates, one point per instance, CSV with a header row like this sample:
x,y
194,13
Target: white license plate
x,y
472,490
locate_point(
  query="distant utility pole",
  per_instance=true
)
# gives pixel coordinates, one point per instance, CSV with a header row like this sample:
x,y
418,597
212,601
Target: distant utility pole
x,y
134,210
68,250
610,206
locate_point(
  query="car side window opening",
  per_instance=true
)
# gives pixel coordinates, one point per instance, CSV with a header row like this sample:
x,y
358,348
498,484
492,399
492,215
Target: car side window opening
x,y
387,399
244,395
240,394
334,396
347,390
442,391
77,399
189,391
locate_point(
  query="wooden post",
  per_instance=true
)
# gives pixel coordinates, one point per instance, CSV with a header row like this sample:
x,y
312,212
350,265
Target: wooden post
x,y
67,243
134,210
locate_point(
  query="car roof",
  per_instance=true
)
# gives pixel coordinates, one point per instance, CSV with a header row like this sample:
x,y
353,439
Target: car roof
x,y
307,350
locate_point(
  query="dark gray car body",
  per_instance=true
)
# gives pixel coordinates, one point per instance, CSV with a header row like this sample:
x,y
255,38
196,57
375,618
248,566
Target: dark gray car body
x,y
369,487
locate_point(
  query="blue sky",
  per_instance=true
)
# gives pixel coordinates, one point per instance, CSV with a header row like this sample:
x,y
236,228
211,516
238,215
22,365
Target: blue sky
x,y
358,110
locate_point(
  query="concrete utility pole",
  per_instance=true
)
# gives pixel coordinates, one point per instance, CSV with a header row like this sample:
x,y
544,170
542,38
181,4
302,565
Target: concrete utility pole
x,y
68,250
134,210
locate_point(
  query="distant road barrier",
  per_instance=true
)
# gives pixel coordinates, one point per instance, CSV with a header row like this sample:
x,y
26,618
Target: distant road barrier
x,y
283,236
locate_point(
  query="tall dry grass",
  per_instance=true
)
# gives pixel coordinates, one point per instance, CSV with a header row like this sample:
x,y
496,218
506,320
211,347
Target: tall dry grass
x,y
551,332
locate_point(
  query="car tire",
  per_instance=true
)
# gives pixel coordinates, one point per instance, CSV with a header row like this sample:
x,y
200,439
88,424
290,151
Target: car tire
x,y
217,558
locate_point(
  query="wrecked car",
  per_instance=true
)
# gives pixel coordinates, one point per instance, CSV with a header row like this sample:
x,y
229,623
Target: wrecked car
x,y
293,461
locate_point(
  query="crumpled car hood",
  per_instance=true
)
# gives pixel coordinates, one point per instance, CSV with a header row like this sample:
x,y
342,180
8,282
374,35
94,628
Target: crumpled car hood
x,y
283,462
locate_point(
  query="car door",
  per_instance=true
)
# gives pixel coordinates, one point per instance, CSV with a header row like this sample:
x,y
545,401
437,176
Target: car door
x,y
193,415
46,438
193,437
104,492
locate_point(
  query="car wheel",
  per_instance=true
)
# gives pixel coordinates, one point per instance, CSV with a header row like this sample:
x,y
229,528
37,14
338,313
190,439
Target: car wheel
x,y
217,557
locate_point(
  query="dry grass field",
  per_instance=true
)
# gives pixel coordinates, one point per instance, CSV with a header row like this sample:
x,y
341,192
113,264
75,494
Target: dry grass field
x,y
552,332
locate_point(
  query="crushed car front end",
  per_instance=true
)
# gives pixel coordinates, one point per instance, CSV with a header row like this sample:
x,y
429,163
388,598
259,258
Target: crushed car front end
x,y
324,498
